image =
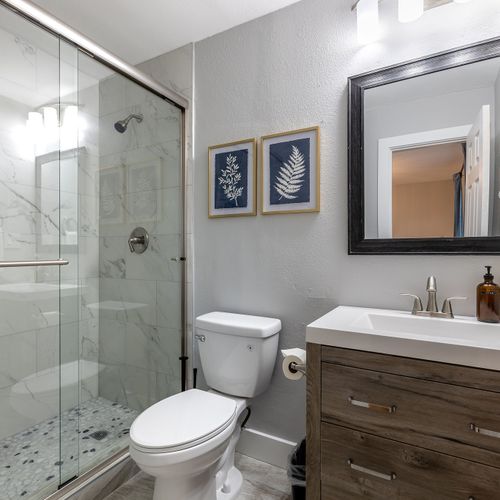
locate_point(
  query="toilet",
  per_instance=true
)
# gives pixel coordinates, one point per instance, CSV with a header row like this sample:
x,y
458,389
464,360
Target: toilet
x,y
187,441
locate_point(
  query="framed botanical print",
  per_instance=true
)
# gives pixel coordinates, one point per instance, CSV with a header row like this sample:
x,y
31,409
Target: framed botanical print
x,y
232,169
290,172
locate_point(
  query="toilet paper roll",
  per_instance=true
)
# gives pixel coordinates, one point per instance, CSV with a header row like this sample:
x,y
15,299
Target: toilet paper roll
x,y
293,356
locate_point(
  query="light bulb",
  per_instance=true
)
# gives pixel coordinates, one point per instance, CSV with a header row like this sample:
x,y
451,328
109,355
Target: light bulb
x,y
368,21
71,117
34,122
410,10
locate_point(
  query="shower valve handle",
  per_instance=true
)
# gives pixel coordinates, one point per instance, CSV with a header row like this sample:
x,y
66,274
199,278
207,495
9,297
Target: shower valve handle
x,y
138,240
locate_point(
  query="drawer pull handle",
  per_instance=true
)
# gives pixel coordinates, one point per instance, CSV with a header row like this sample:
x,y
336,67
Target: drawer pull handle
x,y
484,432
371,472
373,406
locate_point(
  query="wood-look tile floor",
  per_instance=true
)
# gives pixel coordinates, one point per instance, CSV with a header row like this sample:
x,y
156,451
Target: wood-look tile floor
x,y
261,482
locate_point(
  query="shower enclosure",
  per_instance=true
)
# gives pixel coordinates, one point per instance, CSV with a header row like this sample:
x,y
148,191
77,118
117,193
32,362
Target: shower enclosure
x,y
91,326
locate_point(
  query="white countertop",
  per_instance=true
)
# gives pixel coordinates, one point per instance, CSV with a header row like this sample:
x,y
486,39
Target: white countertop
x,y
462,340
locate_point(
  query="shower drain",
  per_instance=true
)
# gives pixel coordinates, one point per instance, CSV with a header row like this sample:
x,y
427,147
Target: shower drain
x,y
99,435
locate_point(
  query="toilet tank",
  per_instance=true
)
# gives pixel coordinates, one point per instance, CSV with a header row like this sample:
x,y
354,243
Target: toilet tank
x,y
237,351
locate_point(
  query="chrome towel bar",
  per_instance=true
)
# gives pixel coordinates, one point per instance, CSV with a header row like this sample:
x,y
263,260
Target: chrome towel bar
x,y
33,263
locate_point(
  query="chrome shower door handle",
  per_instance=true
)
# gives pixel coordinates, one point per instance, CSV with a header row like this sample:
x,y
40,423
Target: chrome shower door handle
x,y
34,263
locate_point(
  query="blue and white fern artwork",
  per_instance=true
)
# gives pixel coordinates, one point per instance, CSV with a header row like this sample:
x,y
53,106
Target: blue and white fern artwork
x,y
231,179
290,172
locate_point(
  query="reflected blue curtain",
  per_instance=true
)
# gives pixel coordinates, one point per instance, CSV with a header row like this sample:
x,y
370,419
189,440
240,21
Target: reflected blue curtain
x,y
459,205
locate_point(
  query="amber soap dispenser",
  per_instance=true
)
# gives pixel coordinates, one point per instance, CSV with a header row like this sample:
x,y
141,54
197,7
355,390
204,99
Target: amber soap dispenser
x,y
488,299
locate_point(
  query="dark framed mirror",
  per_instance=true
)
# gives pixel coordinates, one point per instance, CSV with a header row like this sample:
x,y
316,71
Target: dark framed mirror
x,y
424,155
57,189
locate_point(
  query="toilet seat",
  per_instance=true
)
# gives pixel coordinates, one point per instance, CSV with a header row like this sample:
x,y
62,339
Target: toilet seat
x,y
182,421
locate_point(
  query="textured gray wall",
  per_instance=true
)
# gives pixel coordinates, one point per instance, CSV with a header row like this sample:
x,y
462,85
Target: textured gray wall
x,y
281,72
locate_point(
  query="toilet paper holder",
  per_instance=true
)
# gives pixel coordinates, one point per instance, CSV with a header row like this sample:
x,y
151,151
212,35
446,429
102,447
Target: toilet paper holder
x,y
294,363
298,367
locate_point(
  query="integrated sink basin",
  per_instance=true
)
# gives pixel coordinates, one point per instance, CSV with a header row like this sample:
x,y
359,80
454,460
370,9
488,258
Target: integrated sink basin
x,y
461,340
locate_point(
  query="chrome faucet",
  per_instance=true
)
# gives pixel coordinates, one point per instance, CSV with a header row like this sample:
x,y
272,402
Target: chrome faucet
x,y
431,289
432,309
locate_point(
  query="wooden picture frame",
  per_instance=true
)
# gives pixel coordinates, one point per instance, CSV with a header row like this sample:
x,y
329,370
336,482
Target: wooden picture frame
x,y
290,172
232,179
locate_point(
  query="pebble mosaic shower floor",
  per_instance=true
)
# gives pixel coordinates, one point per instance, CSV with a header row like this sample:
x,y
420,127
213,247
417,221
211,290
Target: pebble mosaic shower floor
x,y
30,462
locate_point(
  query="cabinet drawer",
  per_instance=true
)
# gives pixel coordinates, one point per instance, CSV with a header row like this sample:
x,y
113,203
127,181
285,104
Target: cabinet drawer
x,y
356,465
455,420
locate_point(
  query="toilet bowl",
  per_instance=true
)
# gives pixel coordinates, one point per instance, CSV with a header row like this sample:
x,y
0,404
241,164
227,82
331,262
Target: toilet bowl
x,y
187,441
183,440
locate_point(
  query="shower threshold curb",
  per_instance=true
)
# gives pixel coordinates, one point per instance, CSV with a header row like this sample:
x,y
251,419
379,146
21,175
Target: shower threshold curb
x,y
89,477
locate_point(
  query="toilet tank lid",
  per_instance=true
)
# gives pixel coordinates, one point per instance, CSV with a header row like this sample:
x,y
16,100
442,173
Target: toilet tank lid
x,y
242,325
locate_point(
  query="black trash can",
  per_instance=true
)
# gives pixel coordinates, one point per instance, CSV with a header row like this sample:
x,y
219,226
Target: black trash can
x,y
297,471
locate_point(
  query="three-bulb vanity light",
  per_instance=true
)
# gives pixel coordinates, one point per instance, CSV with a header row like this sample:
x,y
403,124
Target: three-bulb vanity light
x,y
55,125
367,13
52,117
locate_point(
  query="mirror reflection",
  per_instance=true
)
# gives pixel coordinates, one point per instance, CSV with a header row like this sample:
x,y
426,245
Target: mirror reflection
x,y
431,148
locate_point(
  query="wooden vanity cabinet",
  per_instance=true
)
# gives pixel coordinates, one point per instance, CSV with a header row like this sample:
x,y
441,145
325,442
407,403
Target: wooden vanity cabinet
x,y
387,427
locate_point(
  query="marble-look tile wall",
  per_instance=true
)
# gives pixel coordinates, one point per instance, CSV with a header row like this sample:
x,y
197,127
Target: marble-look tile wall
x,y
25,321
41,200
140,294
175,70
119,311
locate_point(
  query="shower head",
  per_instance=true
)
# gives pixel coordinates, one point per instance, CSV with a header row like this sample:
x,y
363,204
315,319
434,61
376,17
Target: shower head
x,y
122,125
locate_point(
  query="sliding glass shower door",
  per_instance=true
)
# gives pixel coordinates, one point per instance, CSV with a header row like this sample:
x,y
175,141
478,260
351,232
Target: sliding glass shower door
x,y
93,336
32,309
130,159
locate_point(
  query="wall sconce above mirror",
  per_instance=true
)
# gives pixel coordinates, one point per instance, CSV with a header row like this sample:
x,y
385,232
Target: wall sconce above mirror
x,y
424,155
368,17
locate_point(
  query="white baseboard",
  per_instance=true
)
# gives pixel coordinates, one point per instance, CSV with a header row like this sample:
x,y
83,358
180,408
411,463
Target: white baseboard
x,y
265,447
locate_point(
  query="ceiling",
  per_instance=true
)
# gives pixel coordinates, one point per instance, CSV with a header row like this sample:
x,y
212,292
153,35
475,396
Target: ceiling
x,y
427,164
137,31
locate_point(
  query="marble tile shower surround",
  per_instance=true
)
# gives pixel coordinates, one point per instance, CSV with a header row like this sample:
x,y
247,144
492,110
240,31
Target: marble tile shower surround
x,y
30,312
175,71
116,310
140,295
